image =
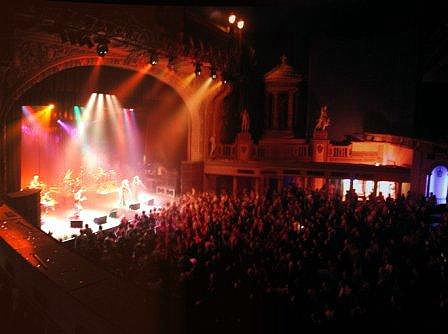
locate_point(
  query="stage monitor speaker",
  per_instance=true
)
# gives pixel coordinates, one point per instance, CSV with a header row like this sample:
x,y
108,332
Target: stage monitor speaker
x,y
100,220
113,213
27,203
135,206
76,223
150,202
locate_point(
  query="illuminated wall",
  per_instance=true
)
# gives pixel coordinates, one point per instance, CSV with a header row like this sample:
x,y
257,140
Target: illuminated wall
x,y
438,183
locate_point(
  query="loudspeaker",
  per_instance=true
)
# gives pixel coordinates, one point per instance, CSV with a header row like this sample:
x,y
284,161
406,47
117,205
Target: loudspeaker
x,y
150,202
135,206
100,220
113,213
76,223
27,203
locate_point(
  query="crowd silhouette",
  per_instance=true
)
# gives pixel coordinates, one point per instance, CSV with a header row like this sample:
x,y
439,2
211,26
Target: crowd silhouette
x,y
280,261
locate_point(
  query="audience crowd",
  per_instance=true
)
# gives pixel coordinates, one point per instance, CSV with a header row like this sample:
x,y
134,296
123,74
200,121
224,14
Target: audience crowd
x,y
279,261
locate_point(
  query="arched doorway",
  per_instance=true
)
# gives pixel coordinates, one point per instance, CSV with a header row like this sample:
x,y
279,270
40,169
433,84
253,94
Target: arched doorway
x,y
437,183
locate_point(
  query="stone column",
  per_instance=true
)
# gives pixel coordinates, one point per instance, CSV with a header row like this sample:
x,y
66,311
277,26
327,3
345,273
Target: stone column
x,y
257,185
279,184
2,157
290,110
274,111
398,186
235,186
13,152
268,112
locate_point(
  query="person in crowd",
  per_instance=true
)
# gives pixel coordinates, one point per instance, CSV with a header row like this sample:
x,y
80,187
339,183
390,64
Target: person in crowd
x,y
319,258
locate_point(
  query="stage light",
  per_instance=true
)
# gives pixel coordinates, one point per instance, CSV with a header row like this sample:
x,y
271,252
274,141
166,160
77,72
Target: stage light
x,y
240,24
102,49
153,59
197,69
213,73
51,106
232,18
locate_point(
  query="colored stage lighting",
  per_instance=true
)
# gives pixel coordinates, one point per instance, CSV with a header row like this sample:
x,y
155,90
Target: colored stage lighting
x,y
213,73
51,106
102,49
240,24
232,18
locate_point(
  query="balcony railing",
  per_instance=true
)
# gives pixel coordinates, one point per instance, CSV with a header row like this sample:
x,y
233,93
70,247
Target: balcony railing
x,y
266,152
339,151
225,152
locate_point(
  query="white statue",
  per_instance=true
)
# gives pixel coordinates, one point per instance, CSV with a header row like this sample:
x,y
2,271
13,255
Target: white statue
x,y
245,121
324,120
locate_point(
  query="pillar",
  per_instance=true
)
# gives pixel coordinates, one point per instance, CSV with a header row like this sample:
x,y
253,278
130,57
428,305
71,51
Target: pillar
x,y
398,186
375,187
13,151
428,184
279,184
257,185
290,110
274,111
235,186
351,183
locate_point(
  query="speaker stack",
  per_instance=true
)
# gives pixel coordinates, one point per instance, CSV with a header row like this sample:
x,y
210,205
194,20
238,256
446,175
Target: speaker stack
x,y
27,203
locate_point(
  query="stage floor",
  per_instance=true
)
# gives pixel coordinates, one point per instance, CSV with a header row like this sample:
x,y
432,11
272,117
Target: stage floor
x,y
57,221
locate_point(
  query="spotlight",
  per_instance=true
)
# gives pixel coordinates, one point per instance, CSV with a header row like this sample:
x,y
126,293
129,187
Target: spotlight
x,y
232,18
153,59
102,49
213,73
51,106
197,69
240,24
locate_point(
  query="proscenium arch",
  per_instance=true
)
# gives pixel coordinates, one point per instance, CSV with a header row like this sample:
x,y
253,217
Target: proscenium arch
x,y
195,150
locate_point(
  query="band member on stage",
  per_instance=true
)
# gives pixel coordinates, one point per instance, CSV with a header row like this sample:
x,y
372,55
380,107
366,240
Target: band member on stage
x,y
137,187
125,193
35,183
47,202
79,198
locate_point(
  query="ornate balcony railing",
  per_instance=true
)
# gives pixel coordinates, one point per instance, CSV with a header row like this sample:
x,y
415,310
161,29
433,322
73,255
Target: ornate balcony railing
x,y
339,151
266,152
225,152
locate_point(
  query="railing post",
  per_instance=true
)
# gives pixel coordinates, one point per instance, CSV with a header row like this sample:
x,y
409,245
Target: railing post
x,y
235,186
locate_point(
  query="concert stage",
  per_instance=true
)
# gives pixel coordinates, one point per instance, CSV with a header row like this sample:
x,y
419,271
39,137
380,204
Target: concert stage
x,y
58,221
